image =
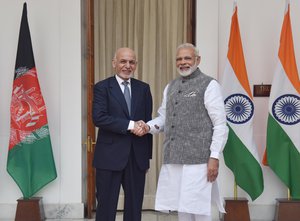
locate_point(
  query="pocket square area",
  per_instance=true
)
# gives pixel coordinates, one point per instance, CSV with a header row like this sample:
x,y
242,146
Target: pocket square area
x,y
191,94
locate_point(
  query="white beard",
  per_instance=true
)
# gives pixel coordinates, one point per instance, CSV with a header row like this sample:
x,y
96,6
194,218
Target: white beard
x,y
188,72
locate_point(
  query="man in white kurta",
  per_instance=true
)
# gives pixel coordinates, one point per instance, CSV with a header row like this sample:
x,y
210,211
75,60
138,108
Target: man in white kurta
x,y
191,187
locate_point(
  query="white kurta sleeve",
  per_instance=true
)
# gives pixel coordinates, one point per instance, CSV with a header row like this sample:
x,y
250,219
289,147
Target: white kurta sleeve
x,y
214,104
157,124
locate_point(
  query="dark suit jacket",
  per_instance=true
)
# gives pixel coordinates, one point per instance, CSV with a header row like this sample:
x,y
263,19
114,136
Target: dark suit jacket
x,y
110,115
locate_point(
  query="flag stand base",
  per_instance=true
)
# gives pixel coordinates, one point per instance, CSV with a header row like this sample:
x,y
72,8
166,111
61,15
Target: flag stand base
x,y
30,209
236,209
287,210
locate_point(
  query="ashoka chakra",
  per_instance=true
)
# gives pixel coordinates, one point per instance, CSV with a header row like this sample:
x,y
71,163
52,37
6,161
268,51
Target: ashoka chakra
x,y
239,108
286,109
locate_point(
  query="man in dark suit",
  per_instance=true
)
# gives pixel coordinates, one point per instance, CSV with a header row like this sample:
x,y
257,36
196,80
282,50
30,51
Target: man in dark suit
x,y
121,158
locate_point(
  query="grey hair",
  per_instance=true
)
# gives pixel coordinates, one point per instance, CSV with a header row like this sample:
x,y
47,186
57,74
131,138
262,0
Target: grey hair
x,y
117,50
188,45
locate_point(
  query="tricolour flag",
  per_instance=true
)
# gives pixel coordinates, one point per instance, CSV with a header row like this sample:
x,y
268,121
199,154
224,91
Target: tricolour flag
x,y
240,152
30,159
283,129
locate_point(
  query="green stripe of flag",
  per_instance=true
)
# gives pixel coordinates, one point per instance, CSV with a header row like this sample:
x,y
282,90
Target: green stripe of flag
x,y
283,157
246,169
32,165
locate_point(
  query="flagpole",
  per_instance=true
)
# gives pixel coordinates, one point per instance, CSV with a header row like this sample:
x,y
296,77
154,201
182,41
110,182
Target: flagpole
x,y
235,185
234,5
235,195
287,4
235,190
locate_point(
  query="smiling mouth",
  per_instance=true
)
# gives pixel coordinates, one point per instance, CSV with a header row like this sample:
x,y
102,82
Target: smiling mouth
x,y
127,71
184,68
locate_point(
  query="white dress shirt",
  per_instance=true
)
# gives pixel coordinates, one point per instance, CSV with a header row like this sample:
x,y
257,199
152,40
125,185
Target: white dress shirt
x,y
214,104
120,81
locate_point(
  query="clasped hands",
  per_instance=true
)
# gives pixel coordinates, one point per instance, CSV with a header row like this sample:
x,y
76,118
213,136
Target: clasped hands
x,y
140,128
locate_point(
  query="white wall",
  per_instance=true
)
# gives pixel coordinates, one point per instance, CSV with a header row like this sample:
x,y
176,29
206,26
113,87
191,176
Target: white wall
x,y
56,37
260,25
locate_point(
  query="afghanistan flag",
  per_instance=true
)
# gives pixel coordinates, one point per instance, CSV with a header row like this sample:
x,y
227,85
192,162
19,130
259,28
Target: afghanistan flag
x,y
240,152
30,159
283,128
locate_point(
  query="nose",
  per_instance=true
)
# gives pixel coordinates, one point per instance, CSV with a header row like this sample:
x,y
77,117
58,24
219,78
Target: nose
x,y
182,61
127,65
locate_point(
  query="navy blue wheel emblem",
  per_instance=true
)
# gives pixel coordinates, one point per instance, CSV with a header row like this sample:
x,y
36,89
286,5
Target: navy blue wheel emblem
x,y
239,108
286,109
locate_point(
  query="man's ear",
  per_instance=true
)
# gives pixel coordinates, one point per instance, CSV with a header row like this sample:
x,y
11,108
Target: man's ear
x,y
198,59
113,63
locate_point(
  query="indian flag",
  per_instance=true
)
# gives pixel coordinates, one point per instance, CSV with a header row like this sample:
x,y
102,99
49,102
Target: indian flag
x,y
283,129
240,152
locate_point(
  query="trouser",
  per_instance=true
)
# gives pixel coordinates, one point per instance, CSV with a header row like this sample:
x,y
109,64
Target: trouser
x,y
108,185
192,217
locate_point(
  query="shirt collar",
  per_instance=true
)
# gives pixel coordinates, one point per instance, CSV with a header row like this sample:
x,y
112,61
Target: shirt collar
x,y
120,80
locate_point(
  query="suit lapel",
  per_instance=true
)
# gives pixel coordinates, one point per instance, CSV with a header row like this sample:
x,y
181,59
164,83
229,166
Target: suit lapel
x,y
118,95
135,95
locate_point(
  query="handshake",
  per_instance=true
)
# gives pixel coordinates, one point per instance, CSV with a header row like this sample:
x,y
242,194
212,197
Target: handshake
x,y
140,128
